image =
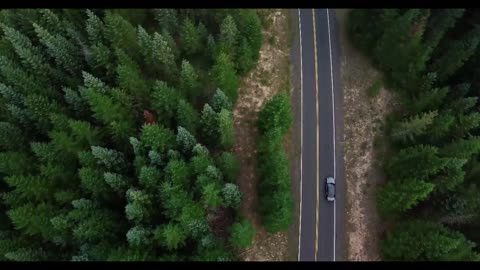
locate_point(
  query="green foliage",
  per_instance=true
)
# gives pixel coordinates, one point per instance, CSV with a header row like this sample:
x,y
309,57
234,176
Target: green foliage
x,y
189,80
190,37
427,241
102,150
220,101
414,126
231,195
224,77
172,236
164,101
187,116
225,127
229,165
276,201
160,139
243,234
209,125
111,159
397,197
185,140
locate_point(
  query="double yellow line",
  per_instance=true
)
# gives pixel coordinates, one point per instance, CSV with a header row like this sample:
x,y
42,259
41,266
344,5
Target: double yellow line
x,y
318,146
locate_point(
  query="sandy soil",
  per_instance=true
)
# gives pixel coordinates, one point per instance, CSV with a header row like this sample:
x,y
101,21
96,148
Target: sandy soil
x,y
257,88
363,117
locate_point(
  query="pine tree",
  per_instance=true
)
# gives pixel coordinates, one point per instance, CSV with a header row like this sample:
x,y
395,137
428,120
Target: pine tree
x,y
252,31
167,19
11,137
165,100
160,139
178,172
187,116
437,243
130,78
116,181
92,182
30,55
209,125
225,122
276,113
111,159
399,51
185,140
412,127
462,148
121,34
110,112
149,177
34,219
242,234
231,195
139,236
211,48
397,197
244,57
95,28
139,205
228,35
417,161
229,165
189,81
456,54
172,236
190,37
220,101
439,23
224,76
65,53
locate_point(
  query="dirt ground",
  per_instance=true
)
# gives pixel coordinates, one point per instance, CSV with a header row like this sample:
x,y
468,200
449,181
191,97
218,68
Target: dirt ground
x,y
270,76
363,116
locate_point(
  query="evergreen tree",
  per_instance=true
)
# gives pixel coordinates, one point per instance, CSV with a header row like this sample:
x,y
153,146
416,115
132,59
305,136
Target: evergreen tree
x,y
456,54
243,234
160,139
190,37
209,125
224,76
228,35
412,127
189,81
276,113
220,101
185,140
427,241
225,122
397,197
231,195
187,116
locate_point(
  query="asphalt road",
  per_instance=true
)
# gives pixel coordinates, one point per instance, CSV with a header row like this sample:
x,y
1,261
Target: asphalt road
x,y
321,229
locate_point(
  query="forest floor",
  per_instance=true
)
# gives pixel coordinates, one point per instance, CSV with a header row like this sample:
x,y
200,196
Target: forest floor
x,y
364,116
269,77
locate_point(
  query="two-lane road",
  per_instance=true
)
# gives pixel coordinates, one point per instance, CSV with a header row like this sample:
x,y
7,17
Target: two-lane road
x,y
321,222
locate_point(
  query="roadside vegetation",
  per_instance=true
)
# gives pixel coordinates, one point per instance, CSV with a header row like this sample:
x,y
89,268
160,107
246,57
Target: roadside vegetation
x,y
116,133
429,58
275,188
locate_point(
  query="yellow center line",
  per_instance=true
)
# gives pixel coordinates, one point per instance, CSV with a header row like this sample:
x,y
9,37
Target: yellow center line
x,y
316,105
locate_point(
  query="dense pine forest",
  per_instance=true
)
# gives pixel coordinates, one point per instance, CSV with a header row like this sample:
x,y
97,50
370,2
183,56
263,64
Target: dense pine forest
x,y
430,60
116,133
